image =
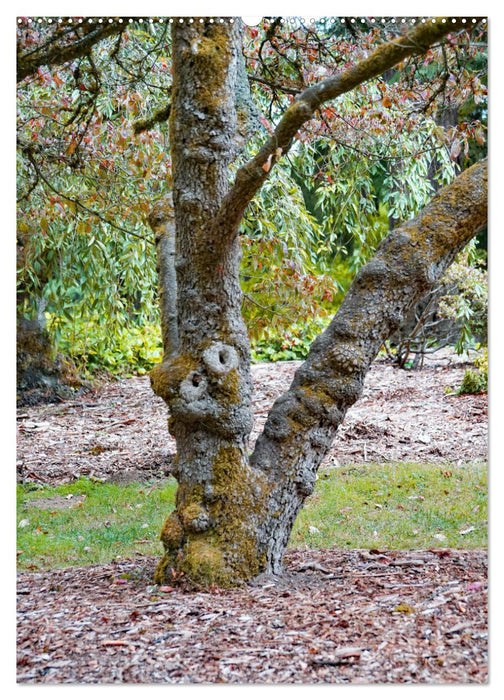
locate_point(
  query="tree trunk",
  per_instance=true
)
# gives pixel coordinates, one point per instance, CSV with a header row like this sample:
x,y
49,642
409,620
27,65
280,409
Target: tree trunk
x,y
162,222
212,535
251,512
37,373
234,513
303,422
42,376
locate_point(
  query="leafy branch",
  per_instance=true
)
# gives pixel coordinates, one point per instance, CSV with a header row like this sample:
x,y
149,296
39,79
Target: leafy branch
x,y
77,203
158,117
251,176
55,53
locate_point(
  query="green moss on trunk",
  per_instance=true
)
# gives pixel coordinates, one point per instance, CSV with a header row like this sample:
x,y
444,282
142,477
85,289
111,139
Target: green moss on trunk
x,y
213,535
167,377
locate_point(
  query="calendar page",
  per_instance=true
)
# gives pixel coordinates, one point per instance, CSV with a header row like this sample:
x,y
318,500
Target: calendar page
x,y
252,349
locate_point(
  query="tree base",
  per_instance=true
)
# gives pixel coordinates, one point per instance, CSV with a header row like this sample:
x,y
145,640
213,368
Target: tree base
x,y
41,377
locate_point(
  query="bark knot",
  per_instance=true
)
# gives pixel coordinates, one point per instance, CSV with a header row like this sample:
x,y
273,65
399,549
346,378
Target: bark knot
x,y
220,358
194,387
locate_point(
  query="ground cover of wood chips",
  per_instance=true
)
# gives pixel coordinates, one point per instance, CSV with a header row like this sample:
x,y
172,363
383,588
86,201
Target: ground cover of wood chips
x,y
335,616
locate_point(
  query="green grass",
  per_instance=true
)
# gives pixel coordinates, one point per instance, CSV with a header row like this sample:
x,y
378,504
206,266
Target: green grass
x,y
396,506
111,521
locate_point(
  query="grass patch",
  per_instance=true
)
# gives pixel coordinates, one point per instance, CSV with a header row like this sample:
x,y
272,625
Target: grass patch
x,y
395,506
89,522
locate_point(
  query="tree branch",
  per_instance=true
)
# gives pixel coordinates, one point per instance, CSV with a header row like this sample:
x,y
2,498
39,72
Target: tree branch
x,y
160,116
79,204
274,86
303,422
57,54
252,175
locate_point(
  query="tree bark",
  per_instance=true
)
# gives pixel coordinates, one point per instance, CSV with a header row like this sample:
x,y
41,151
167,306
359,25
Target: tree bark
x,y
42,375
212,535
234,513
162,222
303,422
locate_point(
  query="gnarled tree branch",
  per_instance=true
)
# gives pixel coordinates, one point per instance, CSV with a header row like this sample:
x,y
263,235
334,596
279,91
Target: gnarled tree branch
x,y
303,422
252,175
158,117
56,52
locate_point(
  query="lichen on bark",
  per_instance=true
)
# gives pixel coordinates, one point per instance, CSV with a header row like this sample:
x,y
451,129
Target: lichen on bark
x,y
162,222
212,535
407,262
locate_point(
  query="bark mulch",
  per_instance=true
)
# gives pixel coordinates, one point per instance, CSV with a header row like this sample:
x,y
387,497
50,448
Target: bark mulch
x,y
335,617
119,431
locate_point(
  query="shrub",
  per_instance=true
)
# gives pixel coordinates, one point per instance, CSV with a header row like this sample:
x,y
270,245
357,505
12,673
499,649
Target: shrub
x,y
293,344
476,381
453,313
128,349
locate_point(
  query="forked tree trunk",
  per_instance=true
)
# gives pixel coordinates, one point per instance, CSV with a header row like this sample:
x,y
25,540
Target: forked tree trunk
x,y
234,512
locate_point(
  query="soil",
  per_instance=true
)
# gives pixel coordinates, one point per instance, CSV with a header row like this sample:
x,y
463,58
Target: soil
x,y
354,616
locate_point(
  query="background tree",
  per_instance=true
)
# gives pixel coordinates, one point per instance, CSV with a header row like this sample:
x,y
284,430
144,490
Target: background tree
x,y
86,187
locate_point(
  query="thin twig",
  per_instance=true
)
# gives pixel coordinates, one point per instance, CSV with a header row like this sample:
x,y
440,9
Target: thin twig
x,y
79,204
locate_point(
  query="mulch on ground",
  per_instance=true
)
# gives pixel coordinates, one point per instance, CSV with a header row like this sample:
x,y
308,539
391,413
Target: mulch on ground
x,y
119,431
334,617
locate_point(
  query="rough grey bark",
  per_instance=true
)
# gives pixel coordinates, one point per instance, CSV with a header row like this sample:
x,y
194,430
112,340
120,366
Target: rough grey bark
x,y
303,422
233,513
207,385
37,371
162,222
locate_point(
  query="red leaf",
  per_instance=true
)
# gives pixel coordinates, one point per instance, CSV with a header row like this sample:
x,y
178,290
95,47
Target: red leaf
x,y
455,149
267,165
479,136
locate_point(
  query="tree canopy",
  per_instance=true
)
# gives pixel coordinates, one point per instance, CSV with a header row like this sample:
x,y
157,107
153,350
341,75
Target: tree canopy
x,y
93,154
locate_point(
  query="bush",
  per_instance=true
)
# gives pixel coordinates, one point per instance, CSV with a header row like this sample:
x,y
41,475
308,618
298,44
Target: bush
x,y
130,349
293,344
454,313
476,381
